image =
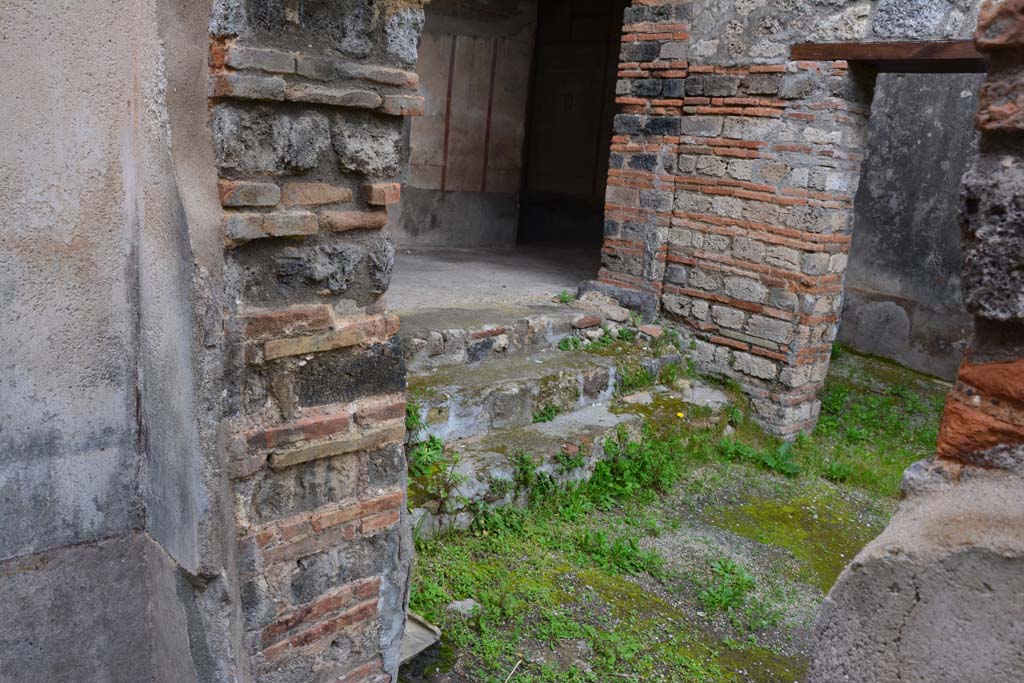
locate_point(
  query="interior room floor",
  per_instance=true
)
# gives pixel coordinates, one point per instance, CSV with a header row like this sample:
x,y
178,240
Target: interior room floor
x,y
432,278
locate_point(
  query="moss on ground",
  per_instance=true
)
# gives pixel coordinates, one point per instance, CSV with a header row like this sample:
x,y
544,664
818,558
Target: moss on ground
x,y
691,557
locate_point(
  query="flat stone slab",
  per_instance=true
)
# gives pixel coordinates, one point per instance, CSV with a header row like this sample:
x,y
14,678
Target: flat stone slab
x,y
706,397
419,635
461,401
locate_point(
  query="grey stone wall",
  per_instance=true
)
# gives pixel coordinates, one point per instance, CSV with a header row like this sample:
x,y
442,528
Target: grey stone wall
x,y
903,297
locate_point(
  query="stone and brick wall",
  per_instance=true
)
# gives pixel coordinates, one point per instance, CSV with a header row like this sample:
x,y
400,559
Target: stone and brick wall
x,y
937,597
984,420
730,196
308,109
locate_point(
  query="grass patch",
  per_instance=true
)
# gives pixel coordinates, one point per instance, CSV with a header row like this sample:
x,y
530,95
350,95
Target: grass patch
x,y
566,584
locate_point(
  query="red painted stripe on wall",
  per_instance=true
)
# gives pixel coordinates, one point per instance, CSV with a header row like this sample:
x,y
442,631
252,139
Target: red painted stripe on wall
x,y
448,115
490,113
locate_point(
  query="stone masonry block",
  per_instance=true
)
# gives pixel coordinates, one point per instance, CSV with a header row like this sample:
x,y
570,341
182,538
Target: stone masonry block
x,y
336,97
247,86
728,317
242,193
402,34
755,366
368,144
262,140
993,227
240,228
1002,101
773,329
314,194
745,289
816,263
274,61
1000,25
344,221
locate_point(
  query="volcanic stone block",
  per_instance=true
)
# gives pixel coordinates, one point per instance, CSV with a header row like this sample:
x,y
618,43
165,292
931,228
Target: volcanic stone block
x,y
352,374
993,226
368,144
402,34
262,140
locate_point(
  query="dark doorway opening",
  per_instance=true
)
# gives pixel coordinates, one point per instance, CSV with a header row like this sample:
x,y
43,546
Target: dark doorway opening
x,y
569,125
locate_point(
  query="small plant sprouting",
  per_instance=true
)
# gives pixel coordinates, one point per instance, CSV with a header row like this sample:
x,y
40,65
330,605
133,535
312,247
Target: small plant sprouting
x,y
734,415
838,471
669,374
627,334
565,297
779,460
570,344
729,586
570,459
546,414
414,422
632,379
425,456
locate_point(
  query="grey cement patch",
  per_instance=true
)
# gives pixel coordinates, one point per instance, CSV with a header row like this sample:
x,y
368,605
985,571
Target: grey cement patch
x,y
464,278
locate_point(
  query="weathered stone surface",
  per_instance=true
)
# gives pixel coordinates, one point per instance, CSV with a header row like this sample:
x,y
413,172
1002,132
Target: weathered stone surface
x,y
242,193
993,223
262,140
284,493
274,61
314,194
402,34
344,25
938,596
227,18
464,608
351,375
338,97
999,25
368,144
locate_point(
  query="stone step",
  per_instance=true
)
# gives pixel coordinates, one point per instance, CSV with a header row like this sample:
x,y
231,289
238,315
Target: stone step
x,y
460,336
458,402
567,449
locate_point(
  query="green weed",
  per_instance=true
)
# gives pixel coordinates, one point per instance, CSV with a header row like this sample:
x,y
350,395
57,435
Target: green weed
x,y
425,456
570,344
632,379
546,414
728,588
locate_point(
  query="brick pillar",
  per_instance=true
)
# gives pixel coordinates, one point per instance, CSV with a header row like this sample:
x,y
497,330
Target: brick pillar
x,y
307,107
730,201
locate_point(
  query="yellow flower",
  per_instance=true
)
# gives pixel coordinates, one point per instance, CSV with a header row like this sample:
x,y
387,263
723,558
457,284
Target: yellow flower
x,y
681,415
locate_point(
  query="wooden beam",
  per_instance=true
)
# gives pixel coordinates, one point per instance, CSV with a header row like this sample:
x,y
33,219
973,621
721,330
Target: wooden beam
x,y
945,56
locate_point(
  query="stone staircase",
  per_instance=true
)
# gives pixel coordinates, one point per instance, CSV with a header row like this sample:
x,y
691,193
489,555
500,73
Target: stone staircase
x,y
508,397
